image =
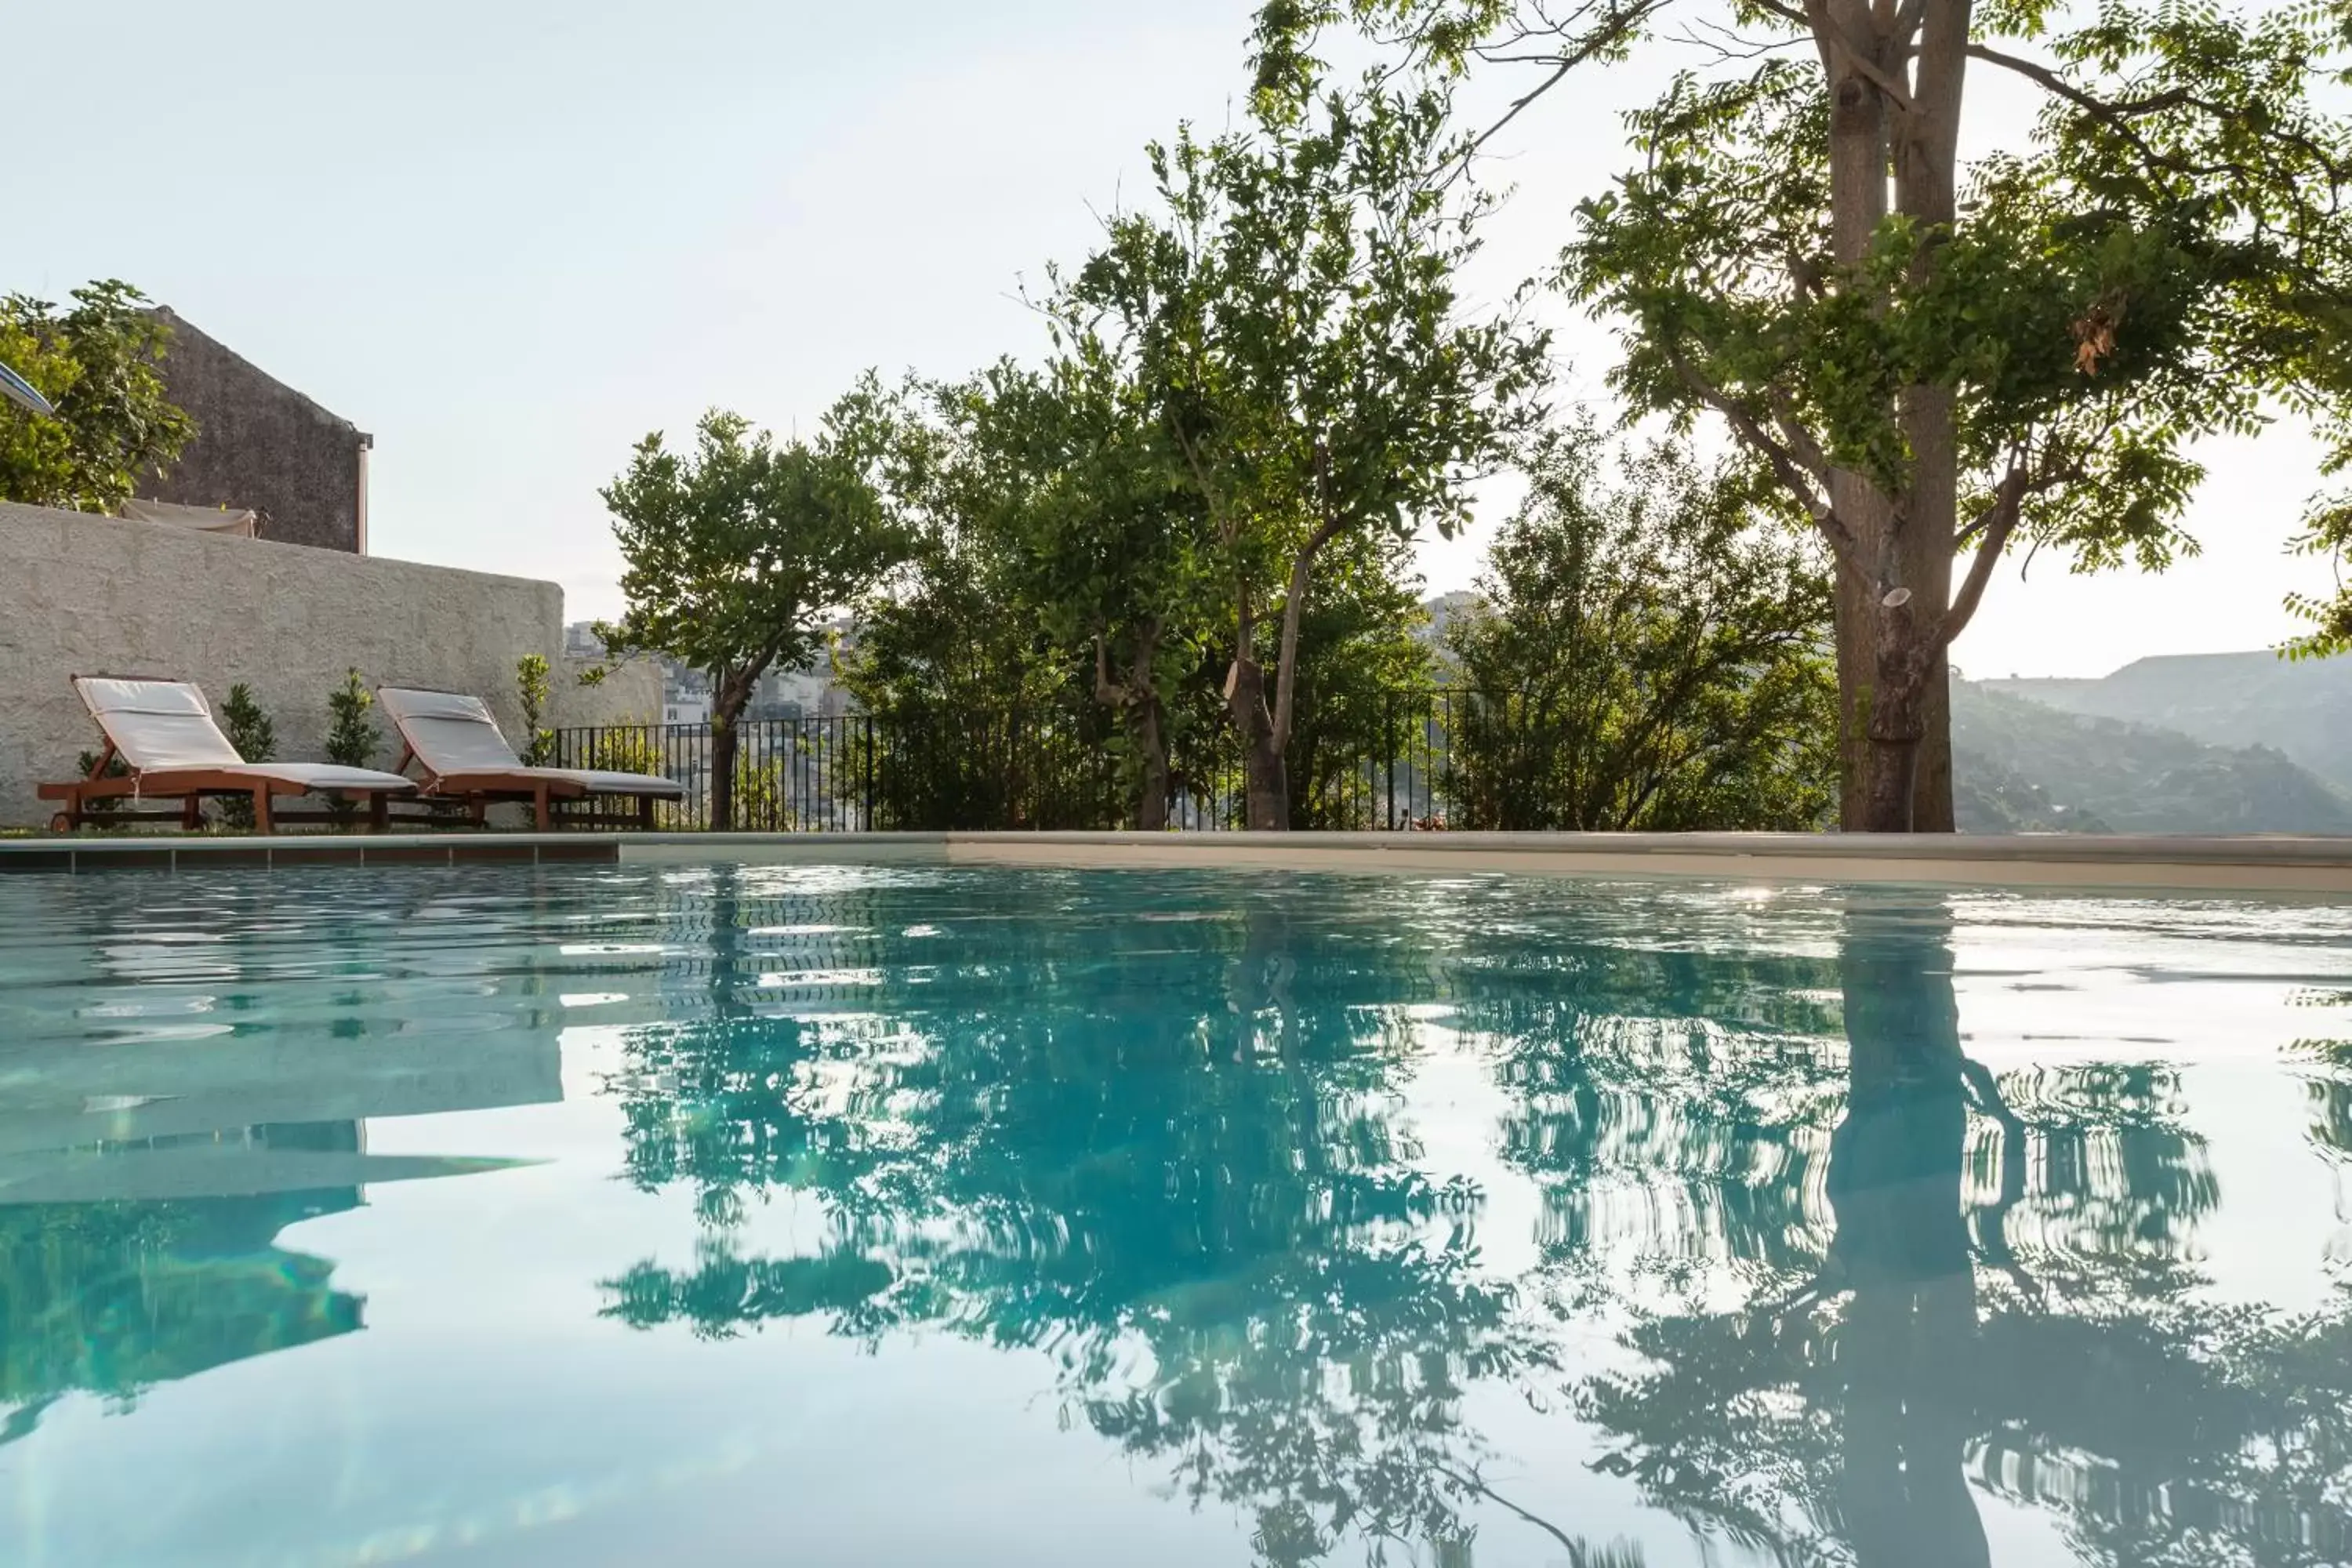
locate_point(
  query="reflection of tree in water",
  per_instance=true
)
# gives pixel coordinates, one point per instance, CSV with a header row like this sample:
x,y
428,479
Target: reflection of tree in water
x,y
2331,1083
1979,1319
1204,1210
1196,1193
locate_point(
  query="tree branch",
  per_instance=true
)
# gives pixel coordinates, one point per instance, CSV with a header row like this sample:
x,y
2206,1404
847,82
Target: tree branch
x,y
1996,522
1293,610
1855,51
1790,469
1618,22
2117,117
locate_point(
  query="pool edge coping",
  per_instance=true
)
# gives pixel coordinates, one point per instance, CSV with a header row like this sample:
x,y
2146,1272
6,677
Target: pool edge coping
x,y
2244,864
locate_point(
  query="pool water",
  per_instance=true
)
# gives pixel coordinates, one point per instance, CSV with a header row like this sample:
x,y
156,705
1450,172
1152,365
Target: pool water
x,y
830,1215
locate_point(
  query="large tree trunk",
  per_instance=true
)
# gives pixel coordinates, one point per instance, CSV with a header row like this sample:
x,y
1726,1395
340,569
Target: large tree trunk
x,y
1267,726
1268,790
1143,716
1872,797
1894,677
1151,803
1266,786
730,693
1858,195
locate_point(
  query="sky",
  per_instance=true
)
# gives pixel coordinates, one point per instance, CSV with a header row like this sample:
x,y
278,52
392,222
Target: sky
x,y
508,240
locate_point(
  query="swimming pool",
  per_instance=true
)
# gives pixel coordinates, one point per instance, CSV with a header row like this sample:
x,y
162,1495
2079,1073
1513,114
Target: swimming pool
x,y
829,1215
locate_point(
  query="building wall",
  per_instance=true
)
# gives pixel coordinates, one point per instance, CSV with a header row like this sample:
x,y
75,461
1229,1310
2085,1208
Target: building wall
x,y
261,444
91,595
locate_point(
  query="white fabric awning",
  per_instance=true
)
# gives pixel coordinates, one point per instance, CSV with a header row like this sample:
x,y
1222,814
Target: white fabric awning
x,y
202,519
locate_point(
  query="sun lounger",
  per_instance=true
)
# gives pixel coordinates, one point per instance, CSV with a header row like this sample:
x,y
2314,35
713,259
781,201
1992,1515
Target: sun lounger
x,y
163,733
462,755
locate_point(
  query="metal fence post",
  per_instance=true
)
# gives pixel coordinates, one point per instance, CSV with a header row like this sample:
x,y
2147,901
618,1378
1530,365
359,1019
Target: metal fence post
x,y
1389,745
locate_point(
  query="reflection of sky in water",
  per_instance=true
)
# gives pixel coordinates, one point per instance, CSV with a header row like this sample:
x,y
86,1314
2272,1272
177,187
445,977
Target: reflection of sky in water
x,y
879,1216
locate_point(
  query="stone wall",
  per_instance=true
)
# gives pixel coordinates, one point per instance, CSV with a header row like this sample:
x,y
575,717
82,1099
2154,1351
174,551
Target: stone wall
x,y
91,595
261,445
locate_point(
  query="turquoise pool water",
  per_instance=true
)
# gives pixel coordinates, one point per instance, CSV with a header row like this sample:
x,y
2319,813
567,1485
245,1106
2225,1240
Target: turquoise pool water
x,y
834,1216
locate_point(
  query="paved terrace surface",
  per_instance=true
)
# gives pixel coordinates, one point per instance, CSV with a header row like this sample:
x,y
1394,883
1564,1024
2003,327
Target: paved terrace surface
x,y
2248,866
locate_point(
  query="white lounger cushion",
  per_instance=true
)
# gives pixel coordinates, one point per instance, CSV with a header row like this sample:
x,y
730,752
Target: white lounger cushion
x,y
157,724
450,733
598,781
166,726
324,776
454,735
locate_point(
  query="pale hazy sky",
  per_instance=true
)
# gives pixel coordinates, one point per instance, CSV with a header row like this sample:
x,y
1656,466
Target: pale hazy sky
x,y
508,239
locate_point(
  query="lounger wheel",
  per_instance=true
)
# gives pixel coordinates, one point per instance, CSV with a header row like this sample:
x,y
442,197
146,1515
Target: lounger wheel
x,y
61,823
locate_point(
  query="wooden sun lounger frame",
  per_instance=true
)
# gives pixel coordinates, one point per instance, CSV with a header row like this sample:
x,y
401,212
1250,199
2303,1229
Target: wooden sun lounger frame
x,y
477,790
85,798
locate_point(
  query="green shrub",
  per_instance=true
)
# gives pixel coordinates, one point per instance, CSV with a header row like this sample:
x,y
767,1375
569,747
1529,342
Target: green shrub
x,y
353,739
531,687
250,731
638,751
633,751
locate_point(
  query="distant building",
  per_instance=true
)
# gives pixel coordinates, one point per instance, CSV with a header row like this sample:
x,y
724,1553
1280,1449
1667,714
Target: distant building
x,y
260,445
580,641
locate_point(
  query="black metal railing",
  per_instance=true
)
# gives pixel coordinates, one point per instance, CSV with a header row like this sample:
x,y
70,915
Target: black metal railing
x,y
961,770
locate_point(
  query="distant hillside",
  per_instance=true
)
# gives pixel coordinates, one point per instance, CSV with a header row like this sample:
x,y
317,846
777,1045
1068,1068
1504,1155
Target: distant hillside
x,y
2023,767
2225,700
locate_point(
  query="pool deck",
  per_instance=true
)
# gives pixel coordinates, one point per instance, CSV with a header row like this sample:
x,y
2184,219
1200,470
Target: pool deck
x,y
2248,866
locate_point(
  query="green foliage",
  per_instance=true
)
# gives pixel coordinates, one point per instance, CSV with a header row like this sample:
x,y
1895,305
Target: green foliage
x,y
629,749
250,731
638,749
978,668
353,738
1650,653
734,552
531,691
1288,316
116,768
95,362
1057,569
763,798
1364,680
1932,355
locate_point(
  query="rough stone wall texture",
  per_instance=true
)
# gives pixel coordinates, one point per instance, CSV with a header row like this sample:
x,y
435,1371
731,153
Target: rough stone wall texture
x,y
91,595
261,444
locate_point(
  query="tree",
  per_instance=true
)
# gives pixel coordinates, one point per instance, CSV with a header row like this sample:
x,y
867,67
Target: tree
x,y
96,363
1365,680
1291,317
952,659
1051,495
1110,545
734,551
1648,653
1937,359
